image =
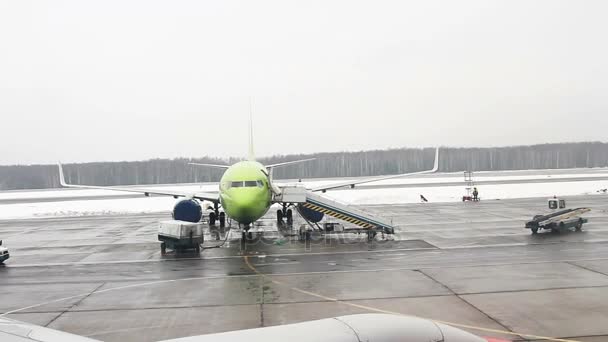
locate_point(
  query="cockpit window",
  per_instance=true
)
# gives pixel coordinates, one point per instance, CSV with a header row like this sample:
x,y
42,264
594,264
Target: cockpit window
x,y
247,184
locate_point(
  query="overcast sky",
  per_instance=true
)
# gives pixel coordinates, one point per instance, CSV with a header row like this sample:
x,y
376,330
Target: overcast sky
x,y
137,79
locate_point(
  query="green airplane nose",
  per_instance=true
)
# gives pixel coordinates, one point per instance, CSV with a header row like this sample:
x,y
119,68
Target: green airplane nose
x,y
246,205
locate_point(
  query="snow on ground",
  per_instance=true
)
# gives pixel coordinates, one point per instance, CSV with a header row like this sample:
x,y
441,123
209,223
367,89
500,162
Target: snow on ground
x,y
455,193
87,207
57,193
357,196
459,177
213,187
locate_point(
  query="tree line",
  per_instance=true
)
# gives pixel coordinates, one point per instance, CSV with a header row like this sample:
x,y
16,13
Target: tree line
x,y
329,164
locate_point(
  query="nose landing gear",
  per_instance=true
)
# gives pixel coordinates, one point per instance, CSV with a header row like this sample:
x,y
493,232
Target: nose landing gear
x,y
246,235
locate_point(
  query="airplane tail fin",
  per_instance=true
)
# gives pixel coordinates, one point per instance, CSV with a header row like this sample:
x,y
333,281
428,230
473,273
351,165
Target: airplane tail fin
x,y
251,155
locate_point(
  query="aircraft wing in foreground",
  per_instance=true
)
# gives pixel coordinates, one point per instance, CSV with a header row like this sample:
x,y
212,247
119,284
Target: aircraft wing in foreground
x,y
353,328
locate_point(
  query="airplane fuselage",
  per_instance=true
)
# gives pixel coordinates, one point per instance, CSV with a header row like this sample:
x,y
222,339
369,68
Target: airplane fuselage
x,y
245,192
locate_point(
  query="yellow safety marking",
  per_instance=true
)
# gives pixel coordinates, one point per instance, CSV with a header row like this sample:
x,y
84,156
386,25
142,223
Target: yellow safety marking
x,y
337,215
373,309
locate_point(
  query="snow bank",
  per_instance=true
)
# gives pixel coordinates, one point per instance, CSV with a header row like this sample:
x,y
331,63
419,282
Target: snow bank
x,y
356,196
87,207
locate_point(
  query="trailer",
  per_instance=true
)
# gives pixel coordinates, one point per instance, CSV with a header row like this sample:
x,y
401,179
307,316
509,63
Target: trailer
x,y
327,229
180,235
560,219
4,255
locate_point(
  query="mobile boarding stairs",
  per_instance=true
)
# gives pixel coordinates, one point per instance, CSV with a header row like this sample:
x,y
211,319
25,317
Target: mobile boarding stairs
x,y
300,196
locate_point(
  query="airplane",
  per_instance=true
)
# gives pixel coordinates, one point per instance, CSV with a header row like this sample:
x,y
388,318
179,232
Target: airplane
x,y
360,327
247,191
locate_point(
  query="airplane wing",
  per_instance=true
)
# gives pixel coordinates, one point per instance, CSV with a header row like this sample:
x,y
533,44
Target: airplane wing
x,y
211,165
289,163
205,196
14,331
267,166
360,327
375,179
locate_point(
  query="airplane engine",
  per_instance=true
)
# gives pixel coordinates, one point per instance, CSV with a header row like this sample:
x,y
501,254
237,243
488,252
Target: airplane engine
x,y
188,210
310,214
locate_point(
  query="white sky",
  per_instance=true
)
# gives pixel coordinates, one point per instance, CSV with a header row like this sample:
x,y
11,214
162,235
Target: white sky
x,y
135,79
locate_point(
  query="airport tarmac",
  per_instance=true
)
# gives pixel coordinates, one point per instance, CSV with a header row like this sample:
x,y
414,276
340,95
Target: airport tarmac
x,y
469,264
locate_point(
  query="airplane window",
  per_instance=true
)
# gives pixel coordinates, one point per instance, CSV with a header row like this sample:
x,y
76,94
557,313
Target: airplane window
x,y
237,185
260,184
251,184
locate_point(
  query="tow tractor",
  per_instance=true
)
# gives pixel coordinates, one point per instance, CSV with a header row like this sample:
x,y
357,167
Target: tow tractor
x,y
560,219
4,255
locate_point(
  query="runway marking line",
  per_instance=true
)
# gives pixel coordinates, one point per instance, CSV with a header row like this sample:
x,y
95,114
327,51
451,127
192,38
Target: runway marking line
x,y
373,309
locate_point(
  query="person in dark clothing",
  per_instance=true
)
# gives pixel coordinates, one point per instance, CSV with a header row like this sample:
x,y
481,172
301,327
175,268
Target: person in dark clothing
x,y
475,195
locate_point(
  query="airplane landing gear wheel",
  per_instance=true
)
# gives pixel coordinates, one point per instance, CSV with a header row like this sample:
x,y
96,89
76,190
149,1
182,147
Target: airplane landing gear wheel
x,y
371,236
222,219
579,226
289,215
246,236
163,248
212,218
279,216
534,230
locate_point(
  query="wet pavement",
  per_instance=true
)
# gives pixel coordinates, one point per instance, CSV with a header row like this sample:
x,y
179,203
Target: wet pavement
x,y
470,264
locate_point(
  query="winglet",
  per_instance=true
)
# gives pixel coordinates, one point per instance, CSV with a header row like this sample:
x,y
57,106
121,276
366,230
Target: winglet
x,y
436,166
61,177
